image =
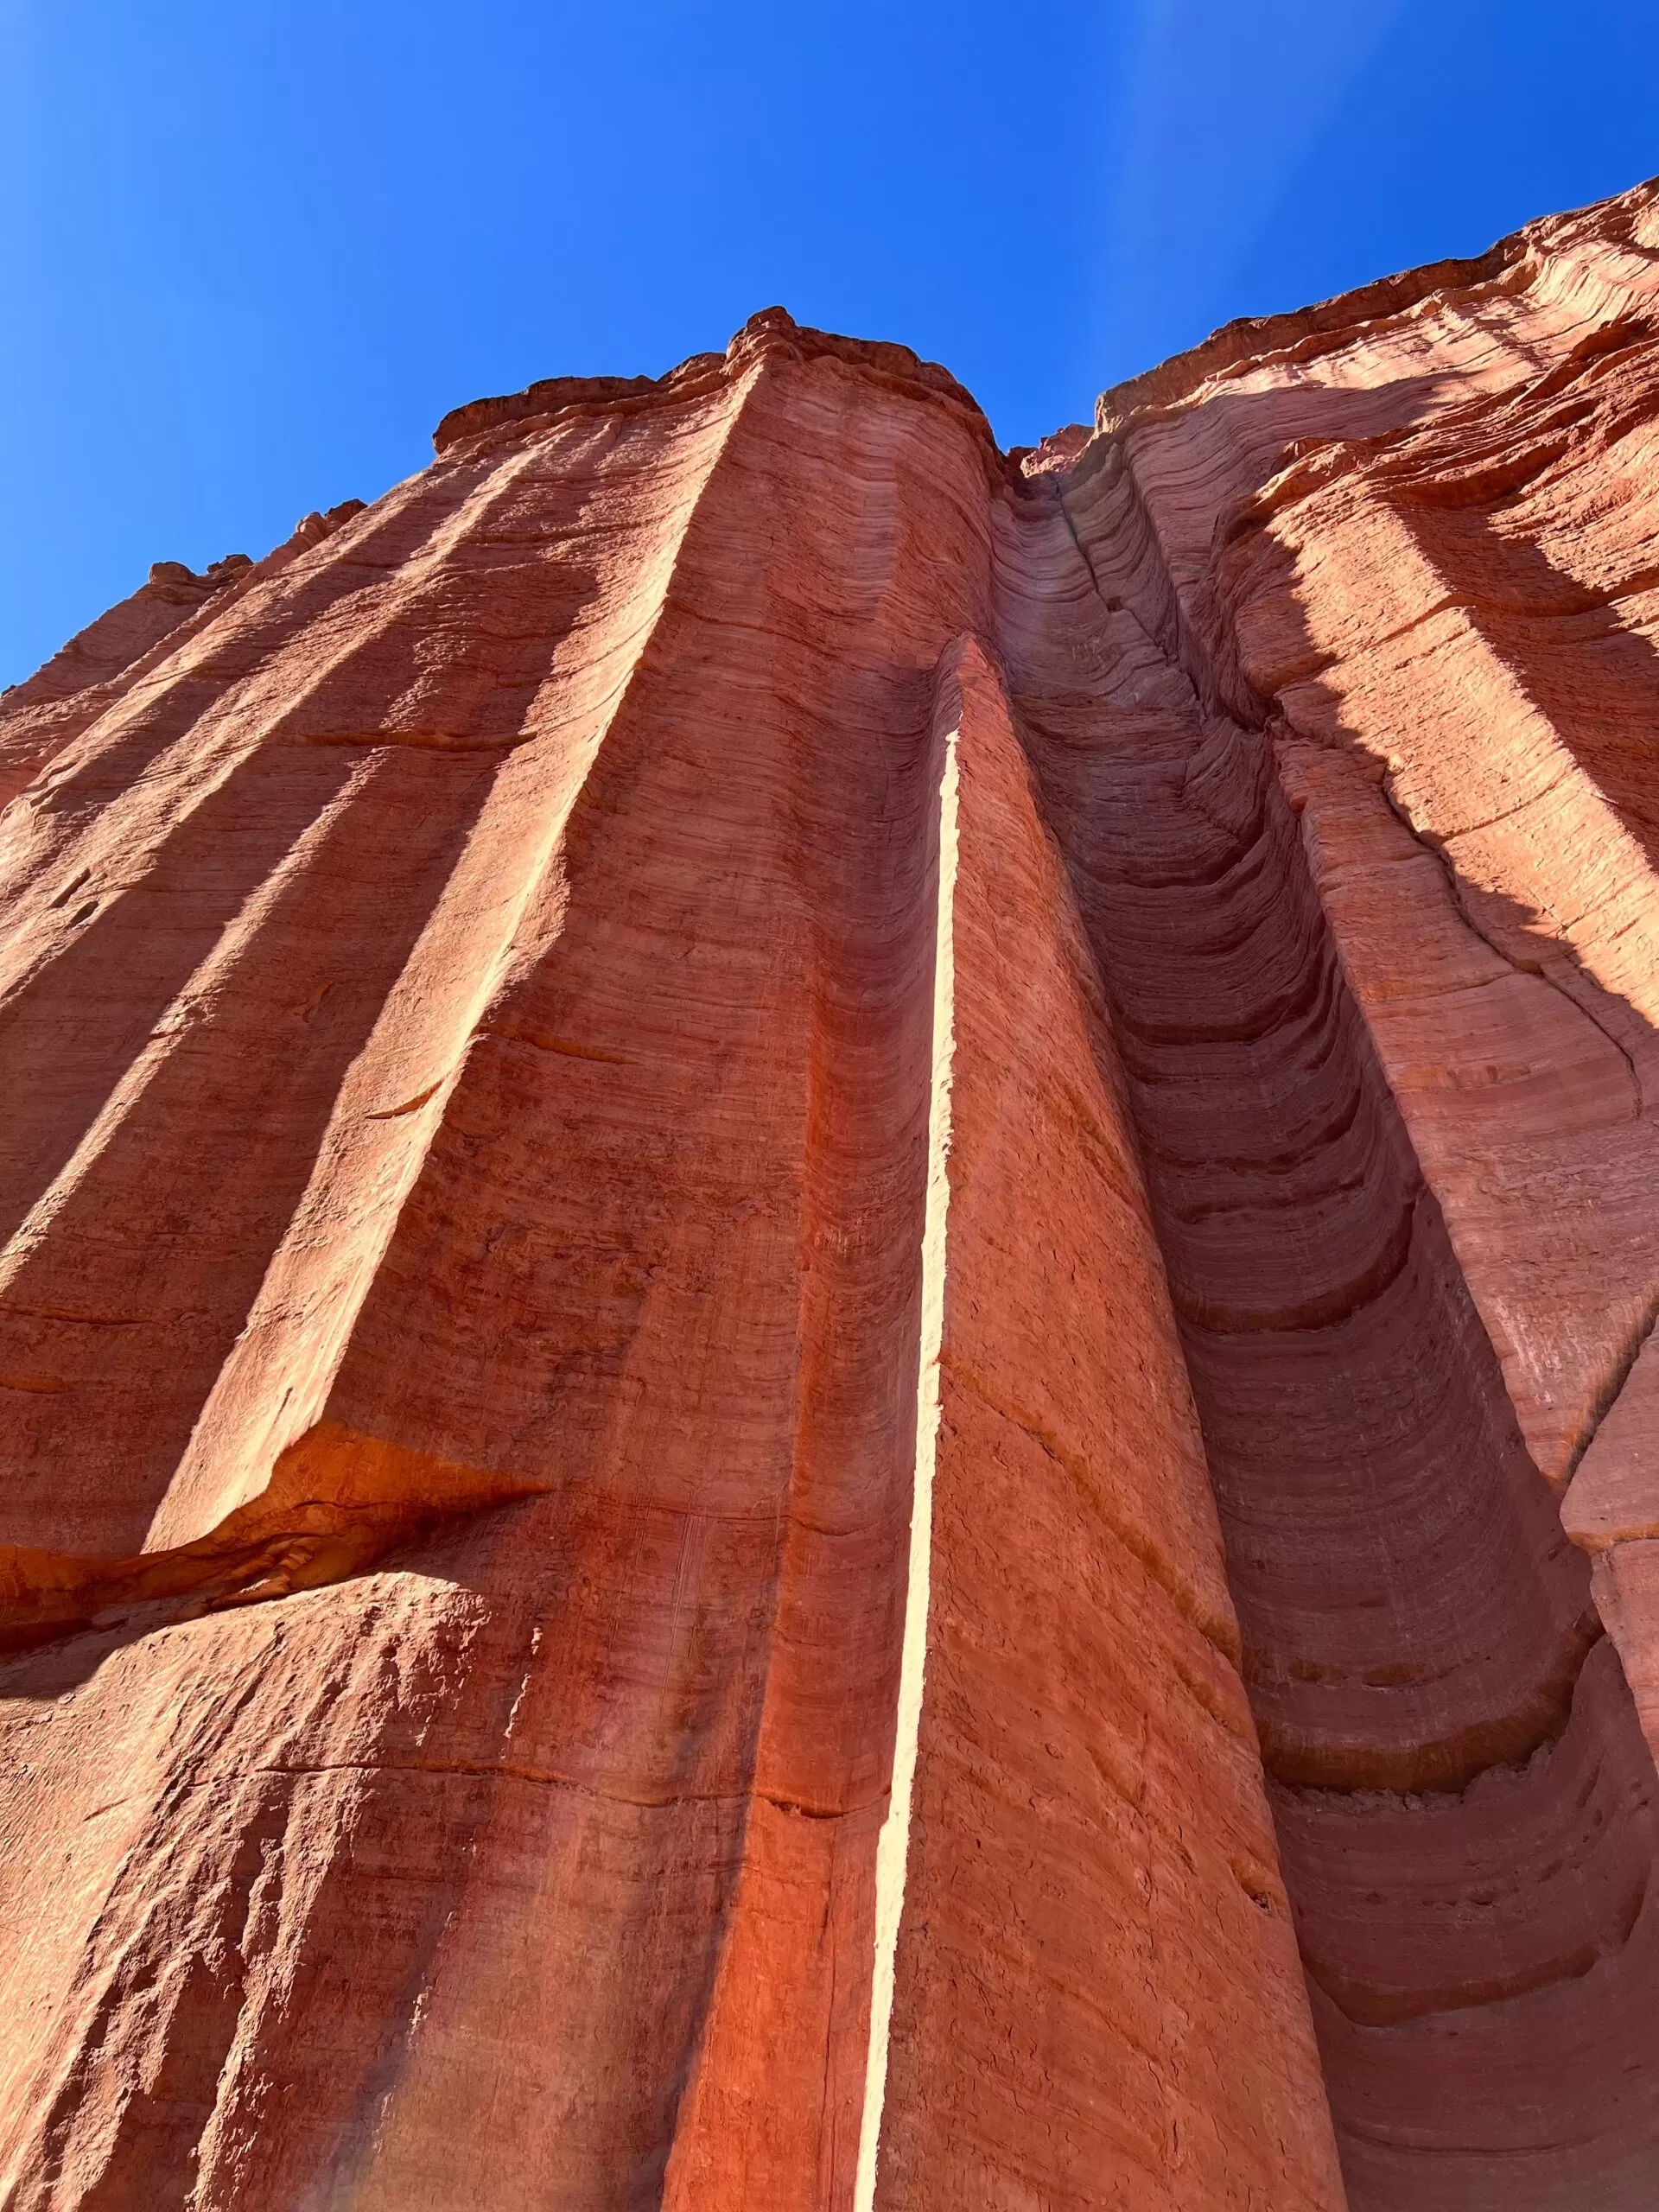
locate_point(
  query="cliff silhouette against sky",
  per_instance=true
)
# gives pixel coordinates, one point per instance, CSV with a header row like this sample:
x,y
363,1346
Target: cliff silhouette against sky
x,y
825,1350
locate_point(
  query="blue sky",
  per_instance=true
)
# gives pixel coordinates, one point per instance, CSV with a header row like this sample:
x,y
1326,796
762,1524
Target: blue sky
x,y
250,252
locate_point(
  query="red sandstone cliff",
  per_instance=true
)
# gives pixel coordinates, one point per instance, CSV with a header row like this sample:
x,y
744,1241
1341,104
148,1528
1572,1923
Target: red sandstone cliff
x,y
814,1249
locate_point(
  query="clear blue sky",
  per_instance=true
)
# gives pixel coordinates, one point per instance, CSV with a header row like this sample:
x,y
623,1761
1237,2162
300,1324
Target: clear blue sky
x,y
250,252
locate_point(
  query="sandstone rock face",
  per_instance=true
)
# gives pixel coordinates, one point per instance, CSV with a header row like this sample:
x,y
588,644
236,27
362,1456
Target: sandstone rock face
x,y
826,1324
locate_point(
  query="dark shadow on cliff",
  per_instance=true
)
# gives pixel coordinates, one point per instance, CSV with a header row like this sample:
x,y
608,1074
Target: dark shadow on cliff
x,y
1533,2096
1466,1802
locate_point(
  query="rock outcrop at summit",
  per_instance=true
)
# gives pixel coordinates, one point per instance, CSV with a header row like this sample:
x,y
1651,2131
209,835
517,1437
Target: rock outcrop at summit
x,y
826,1325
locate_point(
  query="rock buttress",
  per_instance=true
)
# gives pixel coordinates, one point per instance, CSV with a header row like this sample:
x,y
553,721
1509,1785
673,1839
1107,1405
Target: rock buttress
x,y
479,991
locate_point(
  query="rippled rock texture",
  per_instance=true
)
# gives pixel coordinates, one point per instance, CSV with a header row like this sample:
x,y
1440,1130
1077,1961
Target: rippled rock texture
x,y
825,1344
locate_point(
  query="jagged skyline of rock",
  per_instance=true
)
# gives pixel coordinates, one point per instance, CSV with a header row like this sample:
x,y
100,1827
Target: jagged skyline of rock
x,y
824,1344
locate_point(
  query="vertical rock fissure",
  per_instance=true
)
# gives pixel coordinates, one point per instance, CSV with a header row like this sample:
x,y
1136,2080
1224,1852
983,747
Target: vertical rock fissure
x,y
892,1848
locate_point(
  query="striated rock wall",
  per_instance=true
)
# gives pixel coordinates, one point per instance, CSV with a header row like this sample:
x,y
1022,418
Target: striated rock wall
x,y
826,1361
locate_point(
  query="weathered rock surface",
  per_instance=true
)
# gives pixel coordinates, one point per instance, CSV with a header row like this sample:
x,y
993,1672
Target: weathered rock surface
x,y
826,1355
